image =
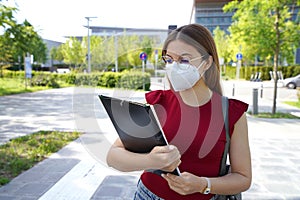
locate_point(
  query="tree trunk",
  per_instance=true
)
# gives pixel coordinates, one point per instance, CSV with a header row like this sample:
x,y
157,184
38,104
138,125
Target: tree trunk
x,y
277,50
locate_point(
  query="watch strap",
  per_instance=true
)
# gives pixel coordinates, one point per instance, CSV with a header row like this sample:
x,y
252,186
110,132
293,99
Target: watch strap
x,y
208,187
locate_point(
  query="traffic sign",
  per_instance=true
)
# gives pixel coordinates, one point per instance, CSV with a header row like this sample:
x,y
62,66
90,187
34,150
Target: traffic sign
x,y
156,55
239,56
143,56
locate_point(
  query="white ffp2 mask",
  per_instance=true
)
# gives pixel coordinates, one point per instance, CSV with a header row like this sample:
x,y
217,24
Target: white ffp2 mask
x,y
182,76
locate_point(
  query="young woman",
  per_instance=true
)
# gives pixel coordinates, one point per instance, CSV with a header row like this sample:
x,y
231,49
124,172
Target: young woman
x,y
191,116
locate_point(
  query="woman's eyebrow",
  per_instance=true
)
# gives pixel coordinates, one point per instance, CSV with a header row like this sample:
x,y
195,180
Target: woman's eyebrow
x,y
168,55
186,54
183,54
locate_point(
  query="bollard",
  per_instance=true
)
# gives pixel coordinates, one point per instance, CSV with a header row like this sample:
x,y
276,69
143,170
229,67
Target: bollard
x,y
233,88
261,90
255,101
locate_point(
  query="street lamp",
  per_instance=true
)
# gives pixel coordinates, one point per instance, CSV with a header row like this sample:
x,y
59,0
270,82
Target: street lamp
x,y
89,55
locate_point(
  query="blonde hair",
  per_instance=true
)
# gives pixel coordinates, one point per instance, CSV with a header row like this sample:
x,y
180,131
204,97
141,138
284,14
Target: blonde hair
x,y
199,37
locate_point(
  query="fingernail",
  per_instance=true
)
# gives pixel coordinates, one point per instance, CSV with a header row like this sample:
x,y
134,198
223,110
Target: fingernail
x,y
171,147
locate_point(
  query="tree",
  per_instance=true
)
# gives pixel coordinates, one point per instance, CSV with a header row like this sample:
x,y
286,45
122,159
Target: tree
x,y
222,44
6,51
133,53
147,45
25,39
97,52
19,39
5,54
124,45
104,50
56,53
6,17
73,52
266,29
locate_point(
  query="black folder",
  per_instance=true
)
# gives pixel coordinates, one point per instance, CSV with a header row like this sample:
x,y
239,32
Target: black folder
x,y
136,124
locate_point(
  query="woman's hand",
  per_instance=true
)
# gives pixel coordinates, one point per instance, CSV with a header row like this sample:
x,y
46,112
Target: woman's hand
x,y
165,158
185,184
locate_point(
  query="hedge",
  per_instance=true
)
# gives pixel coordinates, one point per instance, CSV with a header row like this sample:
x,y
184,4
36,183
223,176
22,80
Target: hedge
x,y
127,79
135,80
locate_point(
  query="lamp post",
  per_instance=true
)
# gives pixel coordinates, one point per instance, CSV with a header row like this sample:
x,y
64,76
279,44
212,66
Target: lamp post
x,y
89,54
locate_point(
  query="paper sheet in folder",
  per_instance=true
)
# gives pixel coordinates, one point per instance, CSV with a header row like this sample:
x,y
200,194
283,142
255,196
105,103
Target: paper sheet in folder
x,y
136,124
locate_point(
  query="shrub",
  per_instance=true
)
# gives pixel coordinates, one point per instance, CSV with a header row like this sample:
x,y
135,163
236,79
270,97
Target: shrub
x,y
43,79
128,79
135,80
110,79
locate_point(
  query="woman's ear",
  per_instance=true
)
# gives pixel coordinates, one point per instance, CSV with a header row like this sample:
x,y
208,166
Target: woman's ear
x,y
208,63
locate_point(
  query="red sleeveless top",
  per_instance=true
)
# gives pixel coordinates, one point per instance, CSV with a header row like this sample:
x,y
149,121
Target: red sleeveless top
x,y
199,134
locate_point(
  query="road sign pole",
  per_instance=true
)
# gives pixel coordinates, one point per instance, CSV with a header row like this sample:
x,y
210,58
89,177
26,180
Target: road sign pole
x,y
143,57
143,70
238,67
156,60
239,57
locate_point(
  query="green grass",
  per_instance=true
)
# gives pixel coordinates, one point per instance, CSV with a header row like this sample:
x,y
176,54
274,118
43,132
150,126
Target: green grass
x,y
275,116
293,103
22,153
16,86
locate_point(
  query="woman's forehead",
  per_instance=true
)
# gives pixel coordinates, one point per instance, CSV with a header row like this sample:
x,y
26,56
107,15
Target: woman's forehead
x,y
178,47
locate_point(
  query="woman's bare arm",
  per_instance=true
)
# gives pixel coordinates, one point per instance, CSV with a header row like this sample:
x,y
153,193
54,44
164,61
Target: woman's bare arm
x,y
241,174
161,157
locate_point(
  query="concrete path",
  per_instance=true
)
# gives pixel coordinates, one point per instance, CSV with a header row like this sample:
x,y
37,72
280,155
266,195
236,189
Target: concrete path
x,y
78,171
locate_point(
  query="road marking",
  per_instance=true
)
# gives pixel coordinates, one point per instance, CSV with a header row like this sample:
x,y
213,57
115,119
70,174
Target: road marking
x,y
80,183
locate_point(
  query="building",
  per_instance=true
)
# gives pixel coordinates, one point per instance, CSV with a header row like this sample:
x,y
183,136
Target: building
x,y
158,35
51,44
210,14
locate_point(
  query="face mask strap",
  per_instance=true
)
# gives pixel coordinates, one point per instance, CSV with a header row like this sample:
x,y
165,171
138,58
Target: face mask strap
x,y
201,64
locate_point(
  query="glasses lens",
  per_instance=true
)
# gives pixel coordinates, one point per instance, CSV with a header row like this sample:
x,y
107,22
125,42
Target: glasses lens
x,y
168,59
184,61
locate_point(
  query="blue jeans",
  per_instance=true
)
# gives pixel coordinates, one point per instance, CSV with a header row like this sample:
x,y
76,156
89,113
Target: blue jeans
x,y
143,193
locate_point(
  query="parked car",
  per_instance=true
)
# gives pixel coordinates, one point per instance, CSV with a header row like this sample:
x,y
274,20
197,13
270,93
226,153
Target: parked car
x,y
292,82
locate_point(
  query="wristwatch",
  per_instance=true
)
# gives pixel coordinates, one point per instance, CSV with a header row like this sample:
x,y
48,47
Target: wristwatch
x,y
207,189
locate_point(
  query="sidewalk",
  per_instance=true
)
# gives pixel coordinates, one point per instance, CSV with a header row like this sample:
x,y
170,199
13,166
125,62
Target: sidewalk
x,y
78,171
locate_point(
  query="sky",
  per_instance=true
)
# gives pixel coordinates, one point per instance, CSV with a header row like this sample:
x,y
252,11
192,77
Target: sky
x,y
55,19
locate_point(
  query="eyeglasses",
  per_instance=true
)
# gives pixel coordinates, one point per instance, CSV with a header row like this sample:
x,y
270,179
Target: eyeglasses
x,y
181,60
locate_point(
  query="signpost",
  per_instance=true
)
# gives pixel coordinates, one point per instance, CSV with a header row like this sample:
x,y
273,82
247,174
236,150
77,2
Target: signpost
x,y
156,61
143,57
239,58
28,69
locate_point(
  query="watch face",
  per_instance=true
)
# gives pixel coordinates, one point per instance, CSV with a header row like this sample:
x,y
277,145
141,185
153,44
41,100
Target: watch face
x,y
206,191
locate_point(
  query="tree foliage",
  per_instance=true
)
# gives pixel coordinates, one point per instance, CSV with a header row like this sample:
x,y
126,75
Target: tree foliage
x,y
222,44
6,51
73,52
18,39
254,28
105,51
265,28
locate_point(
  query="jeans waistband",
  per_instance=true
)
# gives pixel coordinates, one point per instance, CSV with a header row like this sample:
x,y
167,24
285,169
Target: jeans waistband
x,y
143,193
